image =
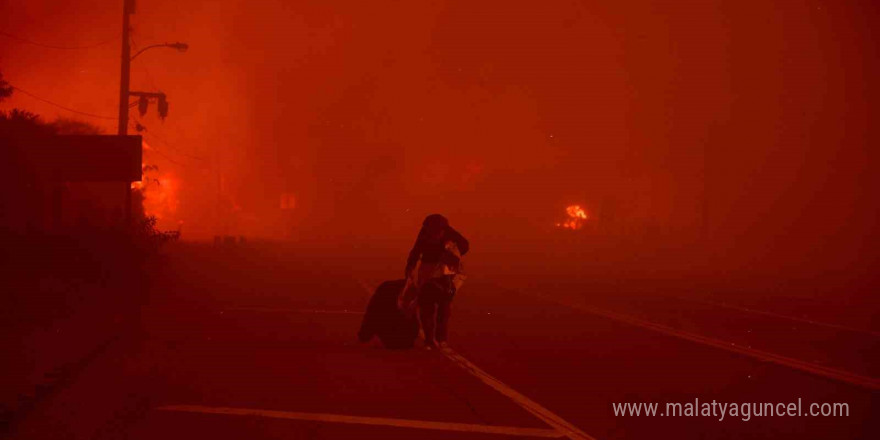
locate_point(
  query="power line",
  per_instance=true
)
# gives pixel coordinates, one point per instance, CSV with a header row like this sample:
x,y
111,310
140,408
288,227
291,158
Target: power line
x,y
153,134
166,157
179,151
61,106
52,46
159,152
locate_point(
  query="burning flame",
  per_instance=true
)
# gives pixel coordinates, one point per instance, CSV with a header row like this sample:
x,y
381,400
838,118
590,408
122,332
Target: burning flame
x,y
160,195
576,218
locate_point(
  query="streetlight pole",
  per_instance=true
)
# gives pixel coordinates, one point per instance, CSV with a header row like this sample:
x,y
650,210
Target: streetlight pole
x,y
125,83
124,79
125,71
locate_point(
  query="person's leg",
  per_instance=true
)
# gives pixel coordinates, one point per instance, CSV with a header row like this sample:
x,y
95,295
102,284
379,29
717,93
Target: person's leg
x,y
444,310
427,310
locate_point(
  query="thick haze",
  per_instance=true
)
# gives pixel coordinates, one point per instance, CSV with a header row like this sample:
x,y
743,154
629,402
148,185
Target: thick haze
x,y
496,113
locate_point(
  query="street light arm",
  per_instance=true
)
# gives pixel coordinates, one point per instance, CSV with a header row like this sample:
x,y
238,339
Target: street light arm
x,y
144,49
179,46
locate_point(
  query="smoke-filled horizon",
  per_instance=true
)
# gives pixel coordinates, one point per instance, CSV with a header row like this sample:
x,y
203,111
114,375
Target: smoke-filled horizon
x,y
746,122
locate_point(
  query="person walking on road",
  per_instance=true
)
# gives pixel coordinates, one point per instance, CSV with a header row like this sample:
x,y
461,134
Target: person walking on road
x,y
434,264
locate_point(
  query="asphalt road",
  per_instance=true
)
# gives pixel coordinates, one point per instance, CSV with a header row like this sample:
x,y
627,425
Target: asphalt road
x,y
259,343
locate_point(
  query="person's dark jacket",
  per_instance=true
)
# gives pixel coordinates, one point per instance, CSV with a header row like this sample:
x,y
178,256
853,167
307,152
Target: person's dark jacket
x,y
435,251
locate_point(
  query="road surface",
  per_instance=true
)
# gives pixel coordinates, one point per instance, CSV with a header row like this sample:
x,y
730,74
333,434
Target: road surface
x,y
259,343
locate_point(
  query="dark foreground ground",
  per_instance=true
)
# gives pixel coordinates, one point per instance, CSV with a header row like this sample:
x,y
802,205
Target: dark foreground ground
x,y
259,343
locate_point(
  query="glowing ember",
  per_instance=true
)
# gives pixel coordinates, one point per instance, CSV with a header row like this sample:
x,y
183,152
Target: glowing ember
x,y
576,218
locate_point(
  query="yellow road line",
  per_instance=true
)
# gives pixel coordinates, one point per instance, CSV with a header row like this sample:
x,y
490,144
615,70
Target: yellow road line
x,y
283,310
564,428
558,423
818,370
375,421
777,315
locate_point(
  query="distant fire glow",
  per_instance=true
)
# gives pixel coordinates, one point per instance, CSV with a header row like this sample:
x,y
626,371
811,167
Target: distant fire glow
x,y
577,216
160,193
160,196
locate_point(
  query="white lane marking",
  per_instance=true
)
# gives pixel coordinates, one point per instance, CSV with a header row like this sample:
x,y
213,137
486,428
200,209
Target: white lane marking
x,y
558,423
283,310
564,428
819,370
778,315
375,421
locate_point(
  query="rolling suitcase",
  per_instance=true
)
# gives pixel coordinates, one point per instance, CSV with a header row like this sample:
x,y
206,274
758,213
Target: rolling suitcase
x,y
384,319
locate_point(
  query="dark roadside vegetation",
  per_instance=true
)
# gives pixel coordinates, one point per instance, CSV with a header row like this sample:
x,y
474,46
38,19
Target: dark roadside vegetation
x,y
67,289
66,296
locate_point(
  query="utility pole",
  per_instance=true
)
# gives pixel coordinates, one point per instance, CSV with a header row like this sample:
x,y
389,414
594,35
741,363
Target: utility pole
x,y
124,79
125,71
128,7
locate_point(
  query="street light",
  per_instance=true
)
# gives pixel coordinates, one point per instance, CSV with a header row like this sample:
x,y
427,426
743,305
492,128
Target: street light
x,y
182,47
124,93
124,80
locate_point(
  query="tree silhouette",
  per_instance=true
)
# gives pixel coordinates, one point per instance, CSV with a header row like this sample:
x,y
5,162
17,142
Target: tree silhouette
x,y
19,124
5,88
22,188
22,124
67,126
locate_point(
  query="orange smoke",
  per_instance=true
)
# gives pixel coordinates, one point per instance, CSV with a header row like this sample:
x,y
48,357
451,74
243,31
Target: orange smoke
x,y
576,218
